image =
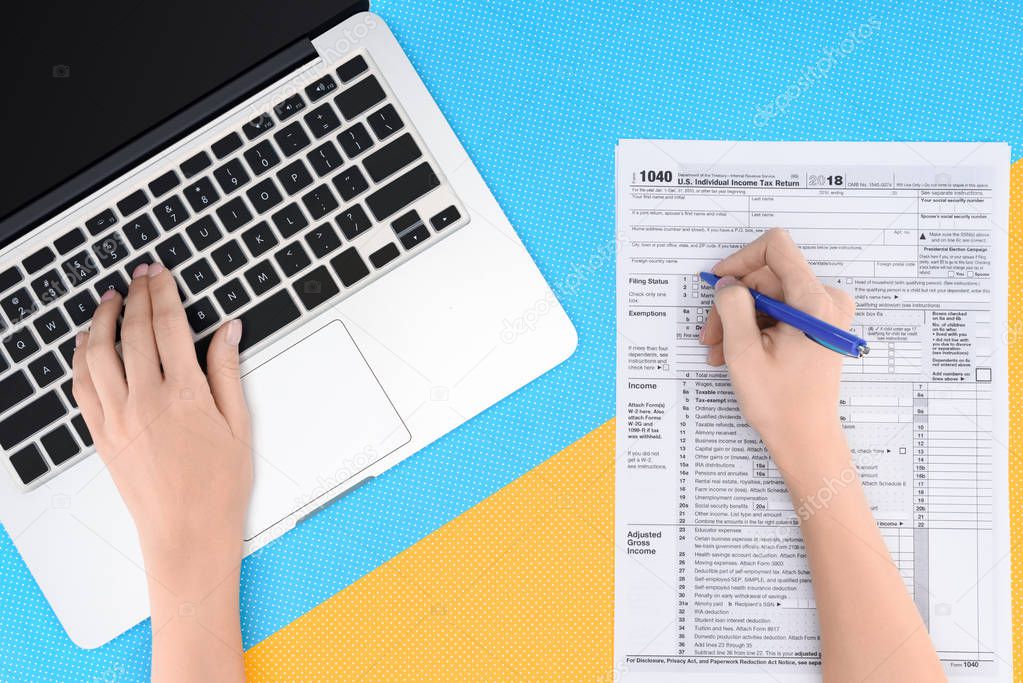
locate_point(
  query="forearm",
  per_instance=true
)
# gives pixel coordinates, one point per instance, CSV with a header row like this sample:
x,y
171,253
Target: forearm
x,y
195,617
870,628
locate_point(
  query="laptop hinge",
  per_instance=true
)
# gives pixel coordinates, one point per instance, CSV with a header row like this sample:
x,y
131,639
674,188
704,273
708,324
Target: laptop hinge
x,y
154,140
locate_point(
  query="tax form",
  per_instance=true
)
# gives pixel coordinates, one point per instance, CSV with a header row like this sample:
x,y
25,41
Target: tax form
x,y
711,579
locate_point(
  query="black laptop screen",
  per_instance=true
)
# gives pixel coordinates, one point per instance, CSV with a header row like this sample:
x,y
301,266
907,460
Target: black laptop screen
x,y
81,79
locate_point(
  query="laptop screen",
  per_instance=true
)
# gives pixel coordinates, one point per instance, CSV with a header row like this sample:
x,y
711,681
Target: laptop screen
x,y
81,79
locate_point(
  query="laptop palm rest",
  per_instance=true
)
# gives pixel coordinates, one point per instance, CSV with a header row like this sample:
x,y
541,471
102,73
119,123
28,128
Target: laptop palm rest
x,y
319,418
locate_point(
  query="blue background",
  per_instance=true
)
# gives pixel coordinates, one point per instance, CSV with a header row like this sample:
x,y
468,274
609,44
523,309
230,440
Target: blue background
x,y
539,93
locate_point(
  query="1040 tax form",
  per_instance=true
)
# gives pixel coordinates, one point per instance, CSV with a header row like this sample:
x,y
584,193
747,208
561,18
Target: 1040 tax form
x,y
711,578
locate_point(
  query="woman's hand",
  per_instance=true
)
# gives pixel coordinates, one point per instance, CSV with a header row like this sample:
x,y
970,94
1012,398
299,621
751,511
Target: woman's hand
x,y
786,384
177,447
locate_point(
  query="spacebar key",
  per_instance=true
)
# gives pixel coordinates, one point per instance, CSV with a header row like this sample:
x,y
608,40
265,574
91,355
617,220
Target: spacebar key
x,y
268,316
34,416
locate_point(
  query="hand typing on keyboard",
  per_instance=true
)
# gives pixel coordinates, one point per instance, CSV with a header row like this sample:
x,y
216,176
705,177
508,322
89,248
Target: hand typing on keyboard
x,y
176,443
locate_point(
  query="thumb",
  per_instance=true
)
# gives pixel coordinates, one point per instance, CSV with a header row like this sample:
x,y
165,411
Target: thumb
x,y
738,320
224,377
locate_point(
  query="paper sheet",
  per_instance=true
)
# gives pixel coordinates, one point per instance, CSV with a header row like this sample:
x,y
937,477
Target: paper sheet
x,y
710,573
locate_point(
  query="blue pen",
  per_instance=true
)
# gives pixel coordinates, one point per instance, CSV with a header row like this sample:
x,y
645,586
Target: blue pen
x,y
838,340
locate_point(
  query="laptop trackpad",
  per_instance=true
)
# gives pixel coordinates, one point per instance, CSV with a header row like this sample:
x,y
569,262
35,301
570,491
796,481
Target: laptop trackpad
x,y
319,417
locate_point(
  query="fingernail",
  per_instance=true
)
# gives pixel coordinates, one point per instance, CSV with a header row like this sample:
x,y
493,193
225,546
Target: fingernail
x,y
108,295
234,332
155,269
79,338
726,281
140,270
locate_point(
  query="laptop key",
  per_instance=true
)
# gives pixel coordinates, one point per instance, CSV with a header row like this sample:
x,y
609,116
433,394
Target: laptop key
x,y
262,278
29,464
198,276
68,388
353,221
264,196
262,157
316,288
349,266
59,445
203,233
9,278
225,145
101,222
257,126
259,238
294,177
31,418
200,194
78,422
202,315
81,307
69,240
385,121
132,203
18,305
14,390
352,68
322,120
131,265
231,176
355,140
445,218
114,281
51,325
402,191
289,220
164,184
384,255
171,212
291,139
38,260
46,369
229,257
392,157
414,236
20,344
289,107
359,97
80,268
322,240
67,350
292,259
112,250
325,159
173,251
49,286
320,87
232,296
141,231
234,214
350,183
195,164
267,317
320,201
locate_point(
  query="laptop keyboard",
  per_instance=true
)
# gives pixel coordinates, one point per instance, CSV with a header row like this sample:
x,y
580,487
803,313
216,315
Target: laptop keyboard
x,y
270,220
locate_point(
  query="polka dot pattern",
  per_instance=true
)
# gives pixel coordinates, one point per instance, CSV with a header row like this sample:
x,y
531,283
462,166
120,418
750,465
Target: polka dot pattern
x,y
519,588
1015,413
539,92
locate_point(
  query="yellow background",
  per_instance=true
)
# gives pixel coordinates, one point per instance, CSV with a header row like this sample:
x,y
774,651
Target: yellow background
x,y
521,587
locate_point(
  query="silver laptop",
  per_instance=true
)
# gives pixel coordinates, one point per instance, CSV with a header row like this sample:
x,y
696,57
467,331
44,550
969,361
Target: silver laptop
x,y
333,210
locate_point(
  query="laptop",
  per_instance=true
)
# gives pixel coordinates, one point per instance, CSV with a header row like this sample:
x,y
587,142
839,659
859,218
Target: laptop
x,y
288,165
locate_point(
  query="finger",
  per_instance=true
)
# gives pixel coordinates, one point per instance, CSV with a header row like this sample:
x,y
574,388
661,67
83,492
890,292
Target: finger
x,y
138,343
82,387
716,355
845,306
762,280
225,378
170,327
105,365
742,342
776,249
